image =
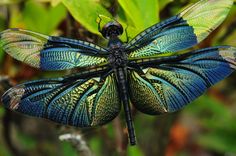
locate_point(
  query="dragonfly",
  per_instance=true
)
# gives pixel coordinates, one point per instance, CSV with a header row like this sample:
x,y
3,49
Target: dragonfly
x,y
147,73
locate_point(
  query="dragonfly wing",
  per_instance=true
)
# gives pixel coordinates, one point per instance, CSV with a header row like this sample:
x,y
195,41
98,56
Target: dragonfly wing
x,y
49,52
182,31
169,86
76,102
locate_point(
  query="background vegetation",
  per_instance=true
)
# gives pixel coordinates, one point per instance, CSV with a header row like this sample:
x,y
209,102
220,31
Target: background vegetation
x,y
205,127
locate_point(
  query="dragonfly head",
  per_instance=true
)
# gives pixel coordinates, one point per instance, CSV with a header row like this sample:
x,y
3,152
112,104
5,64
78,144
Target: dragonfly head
x,y
112,30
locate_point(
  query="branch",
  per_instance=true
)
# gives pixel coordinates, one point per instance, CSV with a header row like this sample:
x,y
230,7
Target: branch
x,y
77,141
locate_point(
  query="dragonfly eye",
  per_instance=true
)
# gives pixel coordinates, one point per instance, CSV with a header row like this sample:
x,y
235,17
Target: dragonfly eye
x,y
112,30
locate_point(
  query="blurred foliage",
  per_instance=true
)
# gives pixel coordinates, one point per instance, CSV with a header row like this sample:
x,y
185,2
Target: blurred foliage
x,y
214,129
37,17
46,20
217,120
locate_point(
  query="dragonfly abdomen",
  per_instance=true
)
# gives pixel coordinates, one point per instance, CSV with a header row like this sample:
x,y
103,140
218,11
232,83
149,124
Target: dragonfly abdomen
x,y
124,96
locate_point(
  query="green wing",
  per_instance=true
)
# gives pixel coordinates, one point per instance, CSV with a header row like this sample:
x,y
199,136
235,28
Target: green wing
x,y
49,52
181,31
68,100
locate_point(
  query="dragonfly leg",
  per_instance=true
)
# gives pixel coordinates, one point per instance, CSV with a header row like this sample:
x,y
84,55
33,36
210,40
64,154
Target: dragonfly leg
x,y
126,35
99,23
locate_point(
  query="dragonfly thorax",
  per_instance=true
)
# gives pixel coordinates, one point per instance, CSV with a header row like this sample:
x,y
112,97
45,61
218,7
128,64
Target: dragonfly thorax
x,y
117,58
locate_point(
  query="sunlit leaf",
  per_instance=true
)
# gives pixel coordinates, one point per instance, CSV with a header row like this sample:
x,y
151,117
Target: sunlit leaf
x,y
163,4
38,17
86,12
55,2
136,10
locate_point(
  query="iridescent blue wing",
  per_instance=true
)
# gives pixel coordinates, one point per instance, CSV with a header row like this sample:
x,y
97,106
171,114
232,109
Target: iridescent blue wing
x,y
50,53
181,31
68,100
169,83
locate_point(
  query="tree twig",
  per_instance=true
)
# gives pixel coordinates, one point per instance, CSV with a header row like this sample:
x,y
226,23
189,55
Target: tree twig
x,y
77,141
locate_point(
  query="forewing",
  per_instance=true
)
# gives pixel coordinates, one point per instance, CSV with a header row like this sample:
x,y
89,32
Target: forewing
x,y
181,31
70,101
170,85
50,53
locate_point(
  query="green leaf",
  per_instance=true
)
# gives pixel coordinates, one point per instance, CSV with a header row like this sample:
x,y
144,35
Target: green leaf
x,y
131,31
139,15
86,12
142,13
132,12
163,4
38,17
55,2
149,12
